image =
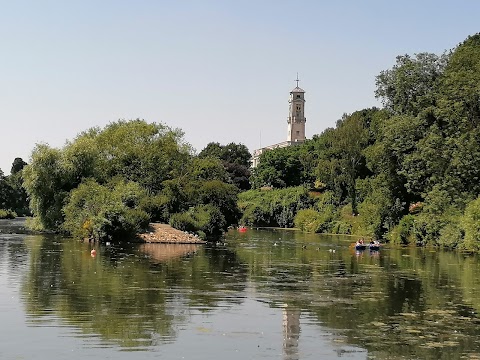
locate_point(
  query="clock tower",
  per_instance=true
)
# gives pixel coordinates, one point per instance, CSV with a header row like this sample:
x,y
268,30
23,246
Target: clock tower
x,y
296,115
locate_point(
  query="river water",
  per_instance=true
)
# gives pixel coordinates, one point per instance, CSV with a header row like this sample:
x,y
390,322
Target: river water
x,y
263,294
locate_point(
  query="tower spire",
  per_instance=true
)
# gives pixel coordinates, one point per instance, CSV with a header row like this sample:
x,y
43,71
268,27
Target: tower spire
x,y
297,80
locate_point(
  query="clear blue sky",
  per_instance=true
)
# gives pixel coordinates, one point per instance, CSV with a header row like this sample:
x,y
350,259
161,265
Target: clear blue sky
x,y
219,70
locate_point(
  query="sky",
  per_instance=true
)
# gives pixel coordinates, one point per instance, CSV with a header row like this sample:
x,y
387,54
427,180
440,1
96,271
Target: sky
x,y
219,70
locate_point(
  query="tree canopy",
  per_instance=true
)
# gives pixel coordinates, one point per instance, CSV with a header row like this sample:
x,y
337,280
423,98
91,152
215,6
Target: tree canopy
x,y
108,183
13,198
235,159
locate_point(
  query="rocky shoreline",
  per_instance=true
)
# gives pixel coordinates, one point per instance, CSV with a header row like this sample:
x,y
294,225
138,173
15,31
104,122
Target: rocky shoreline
x,y
165,234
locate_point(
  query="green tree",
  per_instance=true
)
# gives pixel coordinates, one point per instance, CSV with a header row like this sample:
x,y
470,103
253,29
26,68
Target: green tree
x,y
471,225
344,160
17,165
459,90
235,159
410,86
12,195
46,181
105,212
136,151
230,153
279,168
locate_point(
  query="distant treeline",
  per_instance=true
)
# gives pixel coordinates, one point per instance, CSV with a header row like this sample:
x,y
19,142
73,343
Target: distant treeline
x,y
408,172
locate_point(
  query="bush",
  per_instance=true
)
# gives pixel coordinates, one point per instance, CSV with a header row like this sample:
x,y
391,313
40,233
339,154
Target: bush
x,y
156,206
209,220
273,207
7,214
183,221
205,220
320,222
451,235
471,224
105,212
341,227
308,220
438,227
221,195
403,233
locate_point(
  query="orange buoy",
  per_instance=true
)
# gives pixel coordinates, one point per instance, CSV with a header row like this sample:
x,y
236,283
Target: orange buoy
x,y
93,253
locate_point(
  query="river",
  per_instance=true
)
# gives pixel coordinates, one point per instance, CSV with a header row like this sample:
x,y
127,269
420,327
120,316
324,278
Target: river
x,y
263,294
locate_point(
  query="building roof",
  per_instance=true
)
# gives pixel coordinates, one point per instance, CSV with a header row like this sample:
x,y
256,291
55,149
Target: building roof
x,y
297,90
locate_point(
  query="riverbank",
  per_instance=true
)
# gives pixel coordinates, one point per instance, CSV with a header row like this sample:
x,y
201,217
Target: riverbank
x,y
165,234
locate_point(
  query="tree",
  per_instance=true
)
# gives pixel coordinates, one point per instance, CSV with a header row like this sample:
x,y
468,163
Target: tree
x,y
235,159
343,160
47,184
459,90
134,151
471,225
17,165
280,168
12,195
105,212
230,153
410,86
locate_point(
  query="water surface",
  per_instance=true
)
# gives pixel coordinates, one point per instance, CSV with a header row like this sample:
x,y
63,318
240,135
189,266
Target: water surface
x,y
263,294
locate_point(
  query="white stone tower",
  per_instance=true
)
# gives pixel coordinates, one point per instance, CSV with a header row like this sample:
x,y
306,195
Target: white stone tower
x,y
296,116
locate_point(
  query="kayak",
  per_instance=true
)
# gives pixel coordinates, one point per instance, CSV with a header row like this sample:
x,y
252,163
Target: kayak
x,y
371,247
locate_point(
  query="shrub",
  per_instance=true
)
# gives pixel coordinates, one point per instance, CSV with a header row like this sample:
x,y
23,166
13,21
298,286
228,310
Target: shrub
x,y
274,207
403,233
320,222
451,235
205,220
7,214
105,212
434,225
471,224
308,220
183,221
341,227
209,220
156,206
221,195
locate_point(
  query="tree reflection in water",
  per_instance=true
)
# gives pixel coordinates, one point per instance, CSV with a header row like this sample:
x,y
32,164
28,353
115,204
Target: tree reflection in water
x,y
132,296
399,303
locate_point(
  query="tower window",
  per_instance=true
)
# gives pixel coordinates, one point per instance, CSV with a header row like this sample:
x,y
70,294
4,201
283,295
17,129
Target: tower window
x,y
298,96
298,132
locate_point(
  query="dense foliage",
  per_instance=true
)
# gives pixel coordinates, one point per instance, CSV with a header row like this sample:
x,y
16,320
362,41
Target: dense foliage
x,y
284,167
235,158
273,207
13,198
409,172
109,183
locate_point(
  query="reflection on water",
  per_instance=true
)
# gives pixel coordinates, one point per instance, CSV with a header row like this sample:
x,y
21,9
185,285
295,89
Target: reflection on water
x,y
161,253
291,332
264,294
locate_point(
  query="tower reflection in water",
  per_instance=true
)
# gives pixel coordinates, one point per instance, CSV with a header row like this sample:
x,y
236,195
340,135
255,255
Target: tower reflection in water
x,y
291,333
